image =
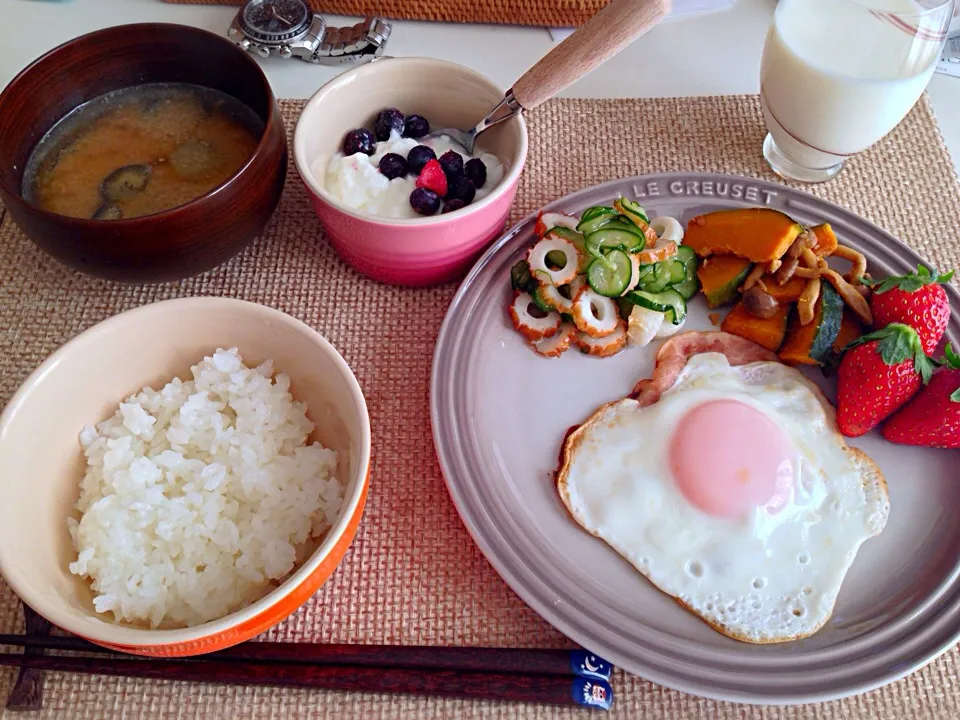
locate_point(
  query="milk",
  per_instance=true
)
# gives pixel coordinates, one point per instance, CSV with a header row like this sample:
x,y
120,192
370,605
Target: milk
x,y
836,77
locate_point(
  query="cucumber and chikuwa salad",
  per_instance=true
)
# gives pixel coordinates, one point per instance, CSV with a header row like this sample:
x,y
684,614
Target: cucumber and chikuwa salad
x,y
608,278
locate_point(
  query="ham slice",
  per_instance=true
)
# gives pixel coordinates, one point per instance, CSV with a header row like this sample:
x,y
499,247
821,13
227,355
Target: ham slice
x,y
673,356
674,353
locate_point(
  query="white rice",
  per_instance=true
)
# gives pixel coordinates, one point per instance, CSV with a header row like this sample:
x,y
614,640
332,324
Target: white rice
x,y
198,498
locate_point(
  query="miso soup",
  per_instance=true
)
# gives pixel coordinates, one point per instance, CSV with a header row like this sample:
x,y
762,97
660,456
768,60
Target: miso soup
x,y
141,150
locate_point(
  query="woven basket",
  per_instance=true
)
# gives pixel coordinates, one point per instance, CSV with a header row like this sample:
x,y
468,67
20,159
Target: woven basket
x,y
543,13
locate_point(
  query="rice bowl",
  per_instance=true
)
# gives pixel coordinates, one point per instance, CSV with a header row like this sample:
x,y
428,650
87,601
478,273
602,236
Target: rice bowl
x,y
82,383
198,497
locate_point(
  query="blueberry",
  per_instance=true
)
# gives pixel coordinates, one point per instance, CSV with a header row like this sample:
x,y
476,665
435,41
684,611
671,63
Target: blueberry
x,y
418,157
425,202
452,165
393,166
416,127
476,171
389,120
455,204
463,190
359,141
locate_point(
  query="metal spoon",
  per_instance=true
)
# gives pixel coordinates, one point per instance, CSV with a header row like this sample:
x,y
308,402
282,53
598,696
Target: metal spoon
x,y
600,38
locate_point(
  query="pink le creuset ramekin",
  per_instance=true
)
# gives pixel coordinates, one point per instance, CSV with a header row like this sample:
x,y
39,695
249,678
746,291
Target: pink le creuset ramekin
x,y
416,251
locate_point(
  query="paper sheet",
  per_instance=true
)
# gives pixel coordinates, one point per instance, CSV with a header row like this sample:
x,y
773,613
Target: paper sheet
x,y
681,8
950,59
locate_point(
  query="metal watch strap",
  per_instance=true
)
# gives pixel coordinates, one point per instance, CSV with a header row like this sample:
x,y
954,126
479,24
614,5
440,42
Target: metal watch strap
x,y
351,44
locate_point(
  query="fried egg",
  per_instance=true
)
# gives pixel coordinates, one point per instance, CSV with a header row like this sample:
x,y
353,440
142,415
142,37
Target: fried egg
x,y
734,493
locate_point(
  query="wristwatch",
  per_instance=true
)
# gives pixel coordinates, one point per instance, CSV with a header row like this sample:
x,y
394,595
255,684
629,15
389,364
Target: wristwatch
x,y
289,28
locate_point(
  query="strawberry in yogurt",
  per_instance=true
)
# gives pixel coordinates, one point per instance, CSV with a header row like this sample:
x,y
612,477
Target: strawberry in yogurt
x,y
394,172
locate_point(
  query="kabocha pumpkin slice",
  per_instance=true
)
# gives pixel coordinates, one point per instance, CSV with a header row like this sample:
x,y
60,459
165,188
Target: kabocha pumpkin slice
x,y
826,240
757,234
786,293
766,332
811,344
721,277
850,330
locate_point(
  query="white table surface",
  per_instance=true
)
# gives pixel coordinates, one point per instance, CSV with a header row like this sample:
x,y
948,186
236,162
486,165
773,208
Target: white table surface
x,y
716,54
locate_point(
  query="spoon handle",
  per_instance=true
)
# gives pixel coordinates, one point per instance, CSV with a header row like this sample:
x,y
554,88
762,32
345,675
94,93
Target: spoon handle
x,y
600,38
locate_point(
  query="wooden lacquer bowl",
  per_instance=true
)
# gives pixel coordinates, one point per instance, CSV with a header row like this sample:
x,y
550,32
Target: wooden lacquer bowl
x,y
166,246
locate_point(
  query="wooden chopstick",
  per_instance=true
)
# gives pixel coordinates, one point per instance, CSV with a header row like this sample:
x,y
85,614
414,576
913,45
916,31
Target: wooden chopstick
x,y
27,692
464,659
538,688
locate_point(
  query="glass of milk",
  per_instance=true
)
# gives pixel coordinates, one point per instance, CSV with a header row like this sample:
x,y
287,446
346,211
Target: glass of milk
x,y
838,75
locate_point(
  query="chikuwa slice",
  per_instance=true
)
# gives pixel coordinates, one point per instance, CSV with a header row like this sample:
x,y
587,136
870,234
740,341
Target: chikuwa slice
x,y
530,320
604,346
558,343
594,314
537,259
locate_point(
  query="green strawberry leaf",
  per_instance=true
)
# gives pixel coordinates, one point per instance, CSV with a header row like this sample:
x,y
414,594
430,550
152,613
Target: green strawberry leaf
x,y
911,282
898,343
922,364
951,359
876,335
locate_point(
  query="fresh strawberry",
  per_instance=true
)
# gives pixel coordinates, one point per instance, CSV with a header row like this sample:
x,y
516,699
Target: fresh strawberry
x,y
916,299
879,372
932,418
433,178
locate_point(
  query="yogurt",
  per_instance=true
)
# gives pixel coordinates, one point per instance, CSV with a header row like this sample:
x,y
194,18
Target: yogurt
x,y
356,180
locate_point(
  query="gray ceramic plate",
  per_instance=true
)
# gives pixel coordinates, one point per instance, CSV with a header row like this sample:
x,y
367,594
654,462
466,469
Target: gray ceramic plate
x,y
500,412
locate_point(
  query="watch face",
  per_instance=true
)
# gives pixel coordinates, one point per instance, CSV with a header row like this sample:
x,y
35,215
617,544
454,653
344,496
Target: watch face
x,y
275,20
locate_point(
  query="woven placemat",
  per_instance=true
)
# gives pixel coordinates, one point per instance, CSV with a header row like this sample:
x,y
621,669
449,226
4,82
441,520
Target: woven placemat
x,y
413,576
542,13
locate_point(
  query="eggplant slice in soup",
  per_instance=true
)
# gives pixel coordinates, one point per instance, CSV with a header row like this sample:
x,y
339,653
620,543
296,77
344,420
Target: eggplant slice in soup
x,y
192,159
125,182
108,211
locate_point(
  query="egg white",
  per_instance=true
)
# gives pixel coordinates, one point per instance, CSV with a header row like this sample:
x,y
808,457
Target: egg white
x,y
766,577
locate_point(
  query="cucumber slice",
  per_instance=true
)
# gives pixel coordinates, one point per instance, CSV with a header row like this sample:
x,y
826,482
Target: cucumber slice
x,y
654,286
689,286
629,207
677,272
597,210
615,238
610,276
619,223
565,233
668,301
594,248
539,301
596,222
658,280
646,271
688,257
666,269
678,307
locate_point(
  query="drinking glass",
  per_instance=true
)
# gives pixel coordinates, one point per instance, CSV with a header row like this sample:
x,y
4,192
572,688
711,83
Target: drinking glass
x,y
838,75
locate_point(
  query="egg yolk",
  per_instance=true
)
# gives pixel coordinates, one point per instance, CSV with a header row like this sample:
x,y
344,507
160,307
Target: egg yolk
x,y
727,458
